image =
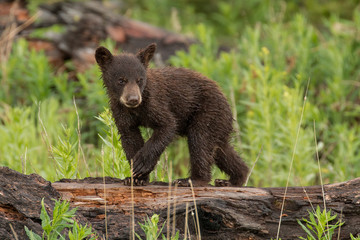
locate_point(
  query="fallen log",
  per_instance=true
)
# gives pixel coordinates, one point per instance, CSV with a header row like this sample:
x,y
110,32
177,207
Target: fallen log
x,y
223,213
87,23
84,25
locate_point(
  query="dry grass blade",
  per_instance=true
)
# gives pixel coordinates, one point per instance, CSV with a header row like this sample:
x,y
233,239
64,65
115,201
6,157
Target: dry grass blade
x,y
13,231
113,154
5,38
23,161
80,149
321,182
308,197
47,140
196,212
169,205
339,230
132,235
12,34
314,211
292,159
6,41
11,31
253,166
234,111
174,211
104,184
186,220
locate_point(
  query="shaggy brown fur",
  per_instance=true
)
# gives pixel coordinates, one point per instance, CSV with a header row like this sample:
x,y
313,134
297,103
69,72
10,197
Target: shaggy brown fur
x,y
171,101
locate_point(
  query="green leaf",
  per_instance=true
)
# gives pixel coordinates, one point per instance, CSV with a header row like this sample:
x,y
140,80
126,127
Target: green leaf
x,y
45,219
32,235
138,236
305,229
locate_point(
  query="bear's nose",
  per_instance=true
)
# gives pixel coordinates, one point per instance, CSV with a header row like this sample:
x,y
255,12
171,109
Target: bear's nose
x,y
133,100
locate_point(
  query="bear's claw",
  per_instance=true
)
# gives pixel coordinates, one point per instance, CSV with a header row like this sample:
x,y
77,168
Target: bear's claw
x,y
137,182
222,183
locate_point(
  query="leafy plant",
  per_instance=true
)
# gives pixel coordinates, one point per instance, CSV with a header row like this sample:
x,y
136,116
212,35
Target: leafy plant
x,y
318,226
151,229
62,219
354,238
79,232
115,161
66,155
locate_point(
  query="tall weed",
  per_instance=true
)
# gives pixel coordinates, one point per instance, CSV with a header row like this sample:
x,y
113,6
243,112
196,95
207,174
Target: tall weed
x,y
114,157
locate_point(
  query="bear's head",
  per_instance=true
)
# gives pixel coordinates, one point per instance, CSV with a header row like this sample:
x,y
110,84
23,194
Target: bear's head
x,y
124,75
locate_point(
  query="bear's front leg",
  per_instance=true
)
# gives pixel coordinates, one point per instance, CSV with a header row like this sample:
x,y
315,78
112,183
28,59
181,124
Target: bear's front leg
x,y
146,159
132,142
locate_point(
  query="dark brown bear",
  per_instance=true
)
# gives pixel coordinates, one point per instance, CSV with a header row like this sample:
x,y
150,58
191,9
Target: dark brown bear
x,y
171,101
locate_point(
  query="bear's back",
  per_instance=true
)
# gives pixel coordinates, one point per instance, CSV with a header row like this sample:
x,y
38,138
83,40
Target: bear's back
x,y
186,93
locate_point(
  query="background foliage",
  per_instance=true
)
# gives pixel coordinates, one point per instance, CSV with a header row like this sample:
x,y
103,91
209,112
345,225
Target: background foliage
x,y
276,47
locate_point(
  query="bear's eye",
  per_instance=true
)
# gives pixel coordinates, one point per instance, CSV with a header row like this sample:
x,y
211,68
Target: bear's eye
x,y
139,80
121,80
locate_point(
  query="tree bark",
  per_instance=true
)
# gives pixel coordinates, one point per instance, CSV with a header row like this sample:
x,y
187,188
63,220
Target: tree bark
x,y
223,213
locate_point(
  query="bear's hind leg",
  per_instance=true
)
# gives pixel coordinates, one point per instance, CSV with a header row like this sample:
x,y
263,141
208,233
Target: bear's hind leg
x,y
201,157
230,162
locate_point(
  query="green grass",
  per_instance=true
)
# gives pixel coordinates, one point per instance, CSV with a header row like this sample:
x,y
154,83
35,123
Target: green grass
x,y
275,50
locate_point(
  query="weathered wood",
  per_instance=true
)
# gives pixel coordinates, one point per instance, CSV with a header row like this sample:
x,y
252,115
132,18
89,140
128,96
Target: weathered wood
x,y
224,213
20,203
20,197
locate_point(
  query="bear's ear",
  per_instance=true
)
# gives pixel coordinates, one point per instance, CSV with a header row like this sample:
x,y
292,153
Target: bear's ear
x,y
145,55
103,57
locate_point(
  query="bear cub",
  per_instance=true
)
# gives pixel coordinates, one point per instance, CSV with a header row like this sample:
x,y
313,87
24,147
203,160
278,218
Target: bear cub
x,y
171,101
